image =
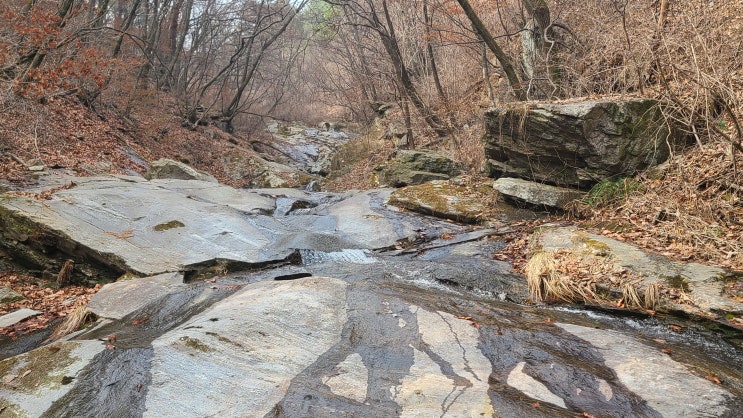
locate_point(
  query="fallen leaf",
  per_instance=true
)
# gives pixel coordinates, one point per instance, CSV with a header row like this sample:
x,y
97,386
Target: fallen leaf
x,y
127,233
141,320
447,235
536,405
549,320
660,341
667,351
714,379
676,328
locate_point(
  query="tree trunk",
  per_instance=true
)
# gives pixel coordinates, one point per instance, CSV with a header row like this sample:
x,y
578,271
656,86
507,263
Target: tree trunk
x,y
434,69
500,55
393,50
486,73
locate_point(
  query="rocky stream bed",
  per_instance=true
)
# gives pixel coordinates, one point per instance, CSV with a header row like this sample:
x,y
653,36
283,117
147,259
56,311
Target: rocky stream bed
x,y
287,303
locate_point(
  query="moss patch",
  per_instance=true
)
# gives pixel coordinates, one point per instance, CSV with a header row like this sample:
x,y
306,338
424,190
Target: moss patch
x,y
224,339
16,227
593,246
43,367
168,225
678,282
442,199
8,409
196,344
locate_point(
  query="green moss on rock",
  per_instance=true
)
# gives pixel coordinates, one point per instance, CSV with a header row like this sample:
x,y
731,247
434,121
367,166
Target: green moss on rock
x,y
37,369
168,225
441,199
196,344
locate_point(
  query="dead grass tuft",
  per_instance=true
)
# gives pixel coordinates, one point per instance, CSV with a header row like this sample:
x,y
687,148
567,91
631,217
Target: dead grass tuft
x,y
74,321
548,280
652,295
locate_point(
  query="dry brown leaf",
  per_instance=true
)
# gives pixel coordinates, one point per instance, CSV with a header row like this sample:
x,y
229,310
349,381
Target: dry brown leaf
x,y
125,234
714,379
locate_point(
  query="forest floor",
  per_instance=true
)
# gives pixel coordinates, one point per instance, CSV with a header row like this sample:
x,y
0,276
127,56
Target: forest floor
x,y
691,209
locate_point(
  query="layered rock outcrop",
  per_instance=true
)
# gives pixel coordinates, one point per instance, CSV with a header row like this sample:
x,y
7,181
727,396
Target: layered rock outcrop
x,y
577,144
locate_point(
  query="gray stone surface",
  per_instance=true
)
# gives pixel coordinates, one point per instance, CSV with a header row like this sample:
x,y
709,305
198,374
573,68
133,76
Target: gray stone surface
x,y
119,299
17,316
356,220
532,387
245,351
667,386
151,227
444,200
170,169
31,382
536,193
705,283
576,144
137,224
8,295
307,149
374,314
427,387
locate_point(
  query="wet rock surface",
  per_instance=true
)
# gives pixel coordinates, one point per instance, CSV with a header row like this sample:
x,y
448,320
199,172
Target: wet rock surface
x,y
304,148
317,305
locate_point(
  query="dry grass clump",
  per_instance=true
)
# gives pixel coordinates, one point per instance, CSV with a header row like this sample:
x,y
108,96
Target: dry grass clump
x,y
579,277
74,321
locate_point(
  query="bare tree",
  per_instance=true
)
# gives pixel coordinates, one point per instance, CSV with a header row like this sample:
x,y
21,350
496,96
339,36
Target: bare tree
x,y
505,61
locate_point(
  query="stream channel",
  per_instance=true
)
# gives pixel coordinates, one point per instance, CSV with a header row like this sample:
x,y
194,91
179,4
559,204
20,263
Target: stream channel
x,y
287,303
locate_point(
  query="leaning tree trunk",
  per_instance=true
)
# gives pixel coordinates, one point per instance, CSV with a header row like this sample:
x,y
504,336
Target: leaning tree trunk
x,y
503,59
390,44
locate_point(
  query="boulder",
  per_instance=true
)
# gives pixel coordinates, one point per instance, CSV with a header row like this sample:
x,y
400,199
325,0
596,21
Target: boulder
x,y
441,199
252,170
536,193
17,316
8,295
704,286
415,167
169,169
577,144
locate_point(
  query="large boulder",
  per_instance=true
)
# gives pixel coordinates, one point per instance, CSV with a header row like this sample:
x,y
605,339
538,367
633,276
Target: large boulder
x,y
169,169
536,193
415,167
576,144
442,199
